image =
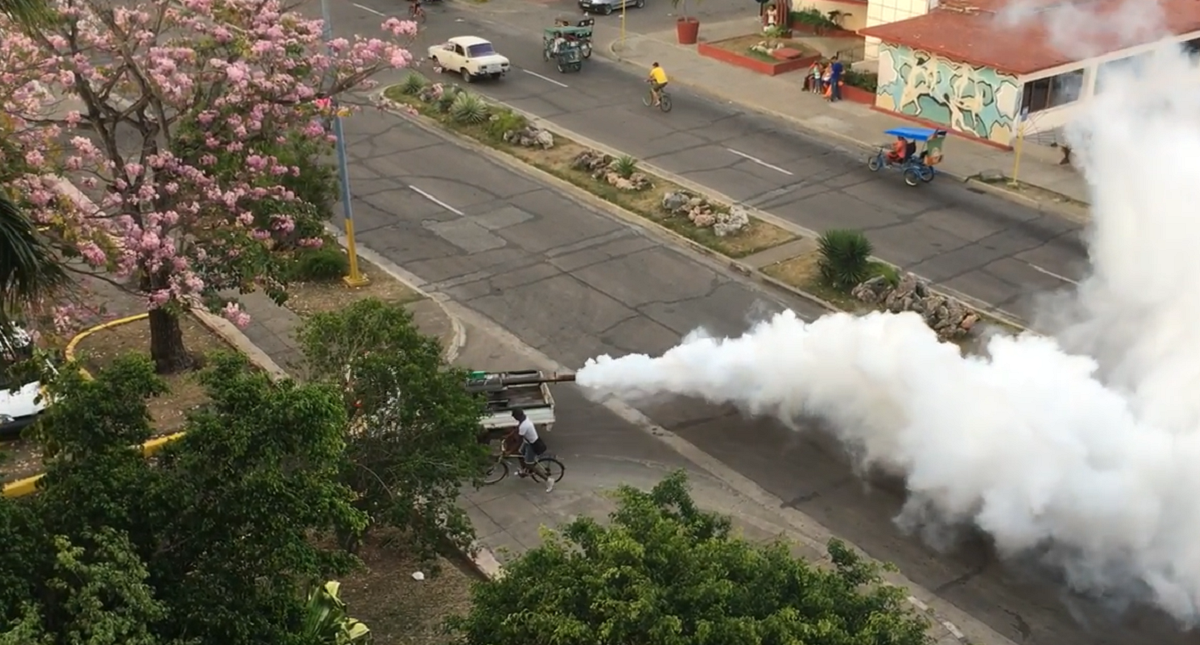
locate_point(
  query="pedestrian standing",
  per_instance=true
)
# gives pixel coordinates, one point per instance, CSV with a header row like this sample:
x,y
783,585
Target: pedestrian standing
x,y
835,80
813,82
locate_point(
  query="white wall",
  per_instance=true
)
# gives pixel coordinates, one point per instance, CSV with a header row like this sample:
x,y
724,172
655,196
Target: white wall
x,y
882,12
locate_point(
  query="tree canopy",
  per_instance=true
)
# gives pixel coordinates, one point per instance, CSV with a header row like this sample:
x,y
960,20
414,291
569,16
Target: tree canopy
x,y
215,540
664,572
414,431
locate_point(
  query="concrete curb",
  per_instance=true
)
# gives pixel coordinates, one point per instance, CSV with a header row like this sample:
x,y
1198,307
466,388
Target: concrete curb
x,y
610,52
459,339
431,126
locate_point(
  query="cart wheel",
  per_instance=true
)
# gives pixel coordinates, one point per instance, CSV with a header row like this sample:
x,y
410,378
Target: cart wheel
x,y
497,471
545,54
927,173
640,4
912,176
606,10
562,69
874,163
553,466
587,50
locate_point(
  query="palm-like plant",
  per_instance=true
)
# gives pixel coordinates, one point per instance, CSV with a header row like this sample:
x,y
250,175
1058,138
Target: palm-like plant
x,y
26,12
29,268
326,621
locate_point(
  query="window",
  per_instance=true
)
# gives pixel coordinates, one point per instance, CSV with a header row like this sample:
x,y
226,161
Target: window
x,y
1054,91
1128,65
482,49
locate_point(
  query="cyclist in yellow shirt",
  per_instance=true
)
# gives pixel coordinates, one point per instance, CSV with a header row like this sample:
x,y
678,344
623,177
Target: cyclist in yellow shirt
x,y
657,80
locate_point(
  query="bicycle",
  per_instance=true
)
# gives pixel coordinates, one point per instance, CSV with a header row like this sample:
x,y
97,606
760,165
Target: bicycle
x,y
664,99
499,469
416,12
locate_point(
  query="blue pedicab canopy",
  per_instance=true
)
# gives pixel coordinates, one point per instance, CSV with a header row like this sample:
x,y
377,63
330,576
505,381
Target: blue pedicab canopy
x,y
916,134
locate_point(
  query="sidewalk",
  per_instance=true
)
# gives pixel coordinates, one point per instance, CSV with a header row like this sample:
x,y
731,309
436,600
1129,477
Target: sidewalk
x,y
851,123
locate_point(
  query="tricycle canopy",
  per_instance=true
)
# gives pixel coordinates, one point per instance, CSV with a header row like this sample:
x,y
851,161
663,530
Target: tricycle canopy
x,y
570,32
916,134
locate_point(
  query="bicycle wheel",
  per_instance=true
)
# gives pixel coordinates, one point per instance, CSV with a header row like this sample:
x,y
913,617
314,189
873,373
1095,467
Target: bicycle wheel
x,y
497,471
664,103
647,99
552,466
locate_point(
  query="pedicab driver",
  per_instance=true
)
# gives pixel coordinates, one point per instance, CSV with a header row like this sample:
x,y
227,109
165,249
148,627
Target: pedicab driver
x,y
899,151
658,80
532,446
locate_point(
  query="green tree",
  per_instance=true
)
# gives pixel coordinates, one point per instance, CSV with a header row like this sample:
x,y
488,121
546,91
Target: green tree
x,y
663,572
216,540
413,434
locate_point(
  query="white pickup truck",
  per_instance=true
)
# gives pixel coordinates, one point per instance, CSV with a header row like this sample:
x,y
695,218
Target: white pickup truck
x,y
21,401
505,391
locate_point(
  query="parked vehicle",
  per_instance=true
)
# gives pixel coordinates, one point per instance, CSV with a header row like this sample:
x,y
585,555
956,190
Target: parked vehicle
x,y
470,56
605,7
21,400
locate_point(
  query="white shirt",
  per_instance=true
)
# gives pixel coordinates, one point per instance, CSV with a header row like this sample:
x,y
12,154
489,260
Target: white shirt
x,y
527,431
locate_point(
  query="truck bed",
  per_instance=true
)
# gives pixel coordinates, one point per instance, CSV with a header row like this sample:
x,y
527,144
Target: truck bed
x,y
534,398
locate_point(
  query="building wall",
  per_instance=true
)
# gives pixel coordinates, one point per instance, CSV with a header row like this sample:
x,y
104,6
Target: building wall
x,y
979,101
882,12
854,13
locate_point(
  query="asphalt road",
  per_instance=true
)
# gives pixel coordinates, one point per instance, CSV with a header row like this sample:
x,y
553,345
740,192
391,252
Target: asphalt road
x,y
574,283
975,244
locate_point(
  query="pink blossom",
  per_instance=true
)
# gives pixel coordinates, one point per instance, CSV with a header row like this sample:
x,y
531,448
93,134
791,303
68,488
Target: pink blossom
x,y
311,242
159,298
93,254
234,314
400,27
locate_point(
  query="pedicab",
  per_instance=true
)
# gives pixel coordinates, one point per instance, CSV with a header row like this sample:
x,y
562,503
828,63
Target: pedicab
x,y
563,30
917,166
566,54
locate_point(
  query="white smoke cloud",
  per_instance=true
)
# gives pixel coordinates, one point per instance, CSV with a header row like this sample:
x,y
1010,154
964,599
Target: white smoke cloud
x,y
1082,448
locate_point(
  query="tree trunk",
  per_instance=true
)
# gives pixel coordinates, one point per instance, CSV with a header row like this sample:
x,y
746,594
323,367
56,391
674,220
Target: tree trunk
x,y
166,343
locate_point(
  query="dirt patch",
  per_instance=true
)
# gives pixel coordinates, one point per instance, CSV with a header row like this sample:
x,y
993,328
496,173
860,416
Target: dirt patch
x,y
756,237
307,298
802,273
169,412
399,609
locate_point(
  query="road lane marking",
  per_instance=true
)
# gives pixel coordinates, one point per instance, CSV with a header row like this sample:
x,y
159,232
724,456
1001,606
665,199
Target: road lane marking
x,y
374,11
759,162
545,78
437,201
1050,273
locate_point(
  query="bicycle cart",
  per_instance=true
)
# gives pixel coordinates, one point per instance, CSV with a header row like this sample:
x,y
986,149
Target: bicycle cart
x,y
917,166
563,30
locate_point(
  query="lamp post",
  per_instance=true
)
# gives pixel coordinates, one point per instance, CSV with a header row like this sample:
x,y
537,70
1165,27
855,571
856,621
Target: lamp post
x,y
354,279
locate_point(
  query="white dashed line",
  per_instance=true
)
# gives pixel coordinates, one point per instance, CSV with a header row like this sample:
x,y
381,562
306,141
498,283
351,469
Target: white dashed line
x,y
545,78
759,162
437,201
376,12
1050,273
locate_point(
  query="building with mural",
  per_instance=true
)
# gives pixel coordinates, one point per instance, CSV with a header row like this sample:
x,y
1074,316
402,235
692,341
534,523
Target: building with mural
x,y
985,68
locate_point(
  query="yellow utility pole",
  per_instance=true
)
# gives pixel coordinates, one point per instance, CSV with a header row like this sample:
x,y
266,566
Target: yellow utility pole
x,y
1012,181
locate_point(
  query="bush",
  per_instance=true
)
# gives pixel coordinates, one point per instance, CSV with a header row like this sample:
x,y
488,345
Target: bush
x,y
862,80
845,260
325,264
449,95
625,166
413,84
505,121
813,17
468,109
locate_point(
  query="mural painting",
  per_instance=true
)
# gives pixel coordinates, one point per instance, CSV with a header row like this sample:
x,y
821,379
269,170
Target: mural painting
x,y
976,100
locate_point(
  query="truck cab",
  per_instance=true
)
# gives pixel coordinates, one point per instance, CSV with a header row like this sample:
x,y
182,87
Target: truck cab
x,y
21,400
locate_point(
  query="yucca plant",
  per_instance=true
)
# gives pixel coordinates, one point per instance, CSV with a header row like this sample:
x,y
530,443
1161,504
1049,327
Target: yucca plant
x,y
845,260
326,622
413,84
469,109
625,166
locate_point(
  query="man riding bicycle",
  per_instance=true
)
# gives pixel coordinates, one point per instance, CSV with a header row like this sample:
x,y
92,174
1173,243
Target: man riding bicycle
x,y
532,447
657,80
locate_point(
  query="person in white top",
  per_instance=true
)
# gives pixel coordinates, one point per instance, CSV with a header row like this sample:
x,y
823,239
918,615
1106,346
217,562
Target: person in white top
x,y
532,446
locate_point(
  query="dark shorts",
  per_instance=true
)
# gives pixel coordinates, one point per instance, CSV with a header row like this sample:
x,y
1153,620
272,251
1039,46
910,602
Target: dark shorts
x,y
531,451
658,86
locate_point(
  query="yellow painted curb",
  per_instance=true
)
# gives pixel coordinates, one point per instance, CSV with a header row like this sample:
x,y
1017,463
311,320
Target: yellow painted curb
x,y
28,486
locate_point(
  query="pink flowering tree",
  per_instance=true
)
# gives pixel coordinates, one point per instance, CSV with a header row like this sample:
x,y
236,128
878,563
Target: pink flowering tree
x,y
172,117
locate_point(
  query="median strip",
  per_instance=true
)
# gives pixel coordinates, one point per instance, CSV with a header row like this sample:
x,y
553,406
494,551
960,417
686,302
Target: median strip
x,y
836,271
726,229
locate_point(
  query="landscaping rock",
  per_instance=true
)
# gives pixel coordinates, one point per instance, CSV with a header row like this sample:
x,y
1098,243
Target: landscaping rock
x,y
732,222
604,168
949,318
704,214
530,137
766,47
674,201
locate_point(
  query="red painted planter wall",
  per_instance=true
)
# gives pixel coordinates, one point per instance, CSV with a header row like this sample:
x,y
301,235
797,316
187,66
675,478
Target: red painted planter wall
x,y
858,95
754,64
